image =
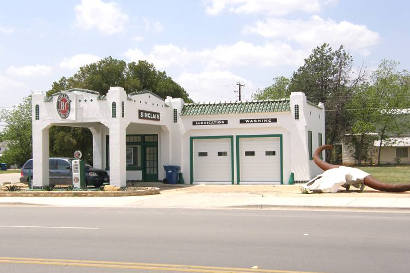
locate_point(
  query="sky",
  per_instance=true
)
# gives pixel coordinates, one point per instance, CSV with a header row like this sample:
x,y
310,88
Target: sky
x,y
207,46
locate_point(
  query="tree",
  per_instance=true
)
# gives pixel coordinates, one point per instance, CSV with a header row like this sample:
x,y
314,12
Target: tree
x,y
377,104
324,77
279,89
100,76
17,133
392,88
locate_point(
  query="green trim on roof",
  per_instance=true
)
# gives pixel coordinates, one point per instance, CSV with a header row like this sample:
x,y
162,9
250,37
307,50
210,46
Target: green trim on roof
x,y
264,106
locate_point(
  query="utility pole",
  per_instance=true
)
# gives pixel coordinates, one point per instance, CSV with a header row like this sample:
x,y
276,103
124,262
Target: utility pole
x,y
239,89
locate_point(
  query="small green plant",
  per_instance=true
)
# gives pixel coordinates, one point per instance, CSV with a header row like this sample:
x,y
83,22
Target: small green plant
x,y
70,188
12,187
49,188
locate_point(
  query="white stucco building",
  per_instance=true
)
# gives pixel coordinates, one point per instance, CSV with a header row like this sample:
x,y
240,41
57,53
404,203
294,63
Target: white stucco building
x,y
135,134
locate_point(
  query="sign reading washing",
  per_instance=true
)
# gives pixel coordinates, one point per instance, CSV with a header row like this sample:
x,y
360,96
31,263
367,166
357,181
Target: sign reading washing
x,y
258,120
210,122
149,115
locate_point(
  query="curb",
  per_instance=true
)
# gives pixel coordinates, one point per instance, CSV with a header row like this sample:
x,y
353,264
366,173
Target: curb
x,y
137,192
305,207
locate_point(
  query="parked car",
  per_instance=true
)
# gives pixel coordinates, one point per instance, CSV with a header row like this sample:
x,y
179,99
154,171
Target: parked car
x,y
3,166
60,173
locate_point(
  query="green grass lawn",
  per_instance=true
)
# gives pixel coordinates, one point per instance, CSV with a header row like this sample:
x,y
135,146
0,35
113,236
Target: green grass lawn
x,y
390,174
10,171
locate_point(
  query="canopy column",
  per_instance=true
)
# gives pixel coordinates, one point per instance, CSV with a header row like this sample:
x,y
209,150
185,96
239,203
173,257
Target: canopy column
x,y
97,132
40,156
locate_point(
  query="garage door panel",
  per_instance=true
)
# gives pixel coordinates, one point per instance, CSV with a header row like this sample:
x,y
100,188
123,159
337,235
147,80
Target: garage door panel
x,y
212,160
259,159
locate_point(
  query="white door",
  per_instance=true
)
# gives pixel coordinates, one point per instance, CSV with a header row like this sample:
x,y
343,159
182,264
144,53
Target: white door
x,y
212,160
259,159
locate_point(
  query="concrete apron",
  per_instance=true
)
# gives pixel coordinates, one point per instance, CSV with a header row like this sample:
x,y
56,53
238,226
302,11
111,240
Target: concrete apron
x,y
231,196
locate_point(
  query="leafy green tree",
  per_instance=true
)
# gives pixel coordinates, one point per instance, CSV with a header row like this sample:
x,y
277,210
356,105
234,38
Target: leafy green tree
x,y
100,76
17,133
392,88
376,106
279,89
325,77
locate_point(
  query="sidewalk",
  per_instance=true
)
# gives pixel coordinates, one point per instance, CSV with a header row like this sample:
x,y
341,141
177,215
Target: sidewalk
x,y
230,196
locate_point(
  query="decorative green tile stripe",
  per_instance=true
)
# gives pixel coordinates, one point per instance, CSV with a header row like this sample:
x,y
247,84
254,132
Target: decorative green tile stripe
x,y
265,106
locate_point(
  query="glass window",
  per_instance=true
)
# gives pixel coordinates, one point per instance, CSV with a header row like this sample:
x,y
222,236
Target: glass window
x,y
114,109
62,165
151,138
249,153
134,139
202,153
319,143
270,153
175,115
402,152
37,112
52,164
130,156
310,145
296,111
222,153
133,154
29,164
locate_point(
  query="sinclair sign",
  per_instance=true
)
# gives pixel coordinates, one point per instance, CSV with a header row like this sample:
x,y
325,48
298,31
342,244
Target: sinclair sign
x,y
63,106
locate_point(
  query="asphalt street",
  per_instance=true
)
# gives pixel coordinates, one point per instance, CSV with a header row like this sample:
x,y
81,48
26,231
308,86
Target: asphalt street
x,y
47,239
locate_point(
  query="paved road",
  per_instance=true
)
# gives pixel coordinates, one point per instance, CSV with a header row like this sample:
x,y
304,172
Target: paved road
x,y
43,239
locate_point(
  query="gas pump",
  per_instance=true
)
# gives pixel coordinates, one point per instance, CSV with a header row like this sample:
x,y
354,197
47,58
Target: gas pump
x,y
78,169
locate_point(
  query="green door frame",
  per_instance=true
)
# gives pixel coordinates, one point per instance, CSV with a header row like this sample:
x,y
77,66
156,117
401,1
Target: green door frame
x,y
238,170
191,157
148,177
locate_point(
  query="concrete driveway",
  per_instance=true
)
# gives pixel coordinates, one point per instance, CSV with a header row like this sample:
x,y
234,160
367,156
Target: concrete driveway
x,y
9,177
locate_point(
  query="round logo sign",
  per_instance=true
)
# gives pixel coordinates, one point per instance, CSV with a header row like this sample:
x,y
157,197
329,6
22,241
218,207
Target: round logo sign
x,y
78,154
63,105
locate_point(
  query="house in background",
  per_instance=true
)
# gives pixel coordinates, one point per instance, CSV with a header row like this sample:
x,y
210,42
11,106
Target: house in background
x,y
394,150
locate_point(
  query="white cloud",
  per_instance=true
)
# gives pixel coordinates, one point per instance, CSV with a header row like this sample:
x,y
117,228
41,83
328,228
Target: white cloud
x,y
76,61
152,25
315,31
271,7
220,57
29,70
219,85
6,30
107,17
13,90
138,38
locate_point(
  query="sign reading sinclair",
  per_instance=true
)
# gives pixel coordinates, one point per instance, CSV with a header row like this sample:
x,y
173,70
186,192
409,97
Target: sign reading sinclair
x,y
258,120
210,122
149,115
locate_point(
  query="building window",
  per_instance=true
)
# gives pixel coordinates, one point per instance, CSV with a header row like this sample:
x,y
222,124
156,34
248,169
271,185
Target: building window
x,y
202,153
114,109
402,152
310,145
222,153
37,112
319,143
175,115
296,111
107,152
249,153
270,153
122,109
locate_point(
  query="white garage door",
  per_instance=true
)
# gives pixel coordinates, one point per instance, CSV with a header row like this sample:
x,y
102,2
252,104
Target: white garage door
x,y
212,160
259,159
